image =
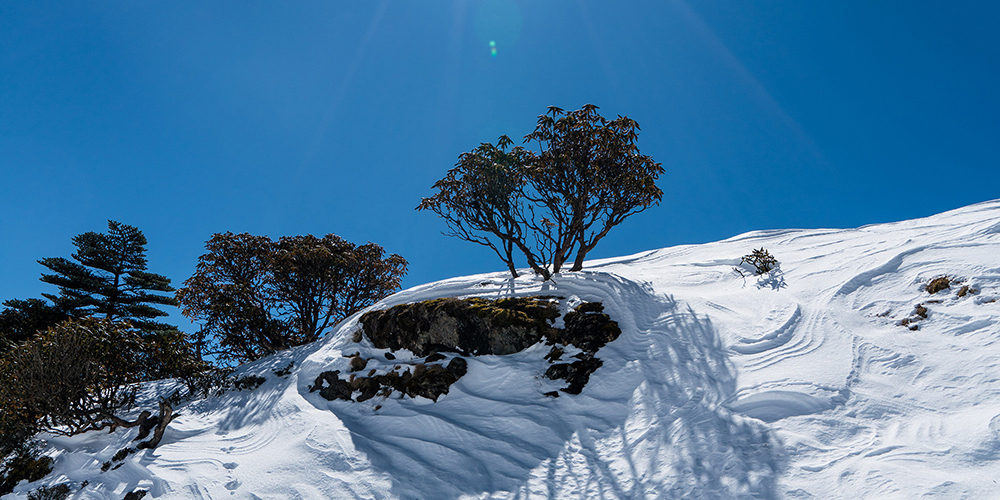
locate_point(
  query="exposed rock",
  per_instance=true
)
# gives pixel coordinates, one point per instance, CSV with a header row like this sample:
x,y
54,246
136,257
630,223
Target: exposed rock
x,y
554,354
330,386
587,328
369,388
576,373
135,495
430,382
458,367
476,326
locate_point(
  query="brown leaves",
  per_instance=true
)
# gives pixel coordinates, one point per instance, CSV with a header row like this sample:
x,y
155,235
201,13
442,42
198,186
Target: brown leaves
x,y
258,296
75,376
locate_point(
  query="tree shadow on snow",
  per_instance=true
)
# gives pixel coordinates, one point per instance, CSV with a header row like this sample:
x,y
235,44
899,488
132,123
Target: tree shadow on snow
x,y
650,424
773,279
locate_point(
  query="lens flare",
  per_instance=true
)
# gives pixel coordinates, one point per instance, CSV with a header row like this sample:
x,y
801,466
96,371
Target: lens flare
x,y
493,48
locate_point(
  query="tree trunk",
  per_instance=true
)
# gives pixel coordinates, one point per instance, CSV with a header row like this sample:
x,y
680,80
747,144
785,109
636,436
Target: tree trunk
x,y
166,415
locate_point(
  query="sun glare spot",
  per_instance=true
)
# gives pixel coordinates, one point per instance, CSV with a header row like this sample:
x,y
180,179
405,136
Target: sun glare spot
x,y
493,48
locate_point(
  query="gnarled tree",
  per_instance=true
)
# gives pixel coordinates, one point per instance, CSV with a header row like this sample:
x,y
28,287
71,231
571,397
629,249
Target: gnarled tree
x,y
587,178
482,200
256,296
77,376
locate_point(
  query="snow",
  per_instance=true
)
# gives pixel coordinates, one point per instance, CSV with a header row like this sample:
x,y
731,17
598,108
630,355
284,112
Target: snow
x,y
801,383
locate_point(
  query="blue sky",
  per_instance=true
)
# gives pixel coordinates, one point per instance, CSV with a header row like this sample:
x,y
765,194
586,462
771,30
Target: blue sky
x,y
187,118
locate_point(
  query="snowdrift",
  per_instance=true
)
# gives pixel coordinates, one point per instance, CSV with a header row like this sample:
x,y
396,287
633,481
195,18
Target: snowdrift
x,y
821,379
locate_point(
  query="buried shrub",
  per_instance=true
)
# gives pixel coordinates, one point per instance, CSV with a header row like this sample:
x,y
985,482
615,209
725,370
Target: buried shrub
x,y
23,467
937,284
761,260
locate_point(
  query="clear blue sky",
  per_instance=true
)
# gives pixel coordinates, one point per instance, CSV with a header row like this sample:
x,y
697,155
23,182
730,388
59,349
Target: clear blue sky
x,y
187,118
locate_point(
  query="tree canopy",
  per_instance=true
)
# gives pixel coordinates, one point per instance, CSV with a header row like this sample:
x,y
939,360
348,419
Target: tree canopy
x,y
587,177
256,296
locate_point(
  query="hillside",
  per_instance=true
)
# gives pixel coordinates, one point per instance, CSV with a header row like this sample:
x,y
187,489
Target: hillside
x,y
801,383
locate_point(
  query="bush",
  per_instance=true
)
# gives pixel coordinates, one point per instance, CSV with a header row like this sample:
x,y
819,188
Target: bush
x,y
587,178
940,283
23,319
21,467
761,260
75,377
58,492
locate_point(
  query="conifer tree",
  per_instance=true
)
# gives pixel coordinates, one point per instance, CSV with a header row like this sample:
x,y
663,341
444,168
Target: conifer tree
x,y
22,319
109,279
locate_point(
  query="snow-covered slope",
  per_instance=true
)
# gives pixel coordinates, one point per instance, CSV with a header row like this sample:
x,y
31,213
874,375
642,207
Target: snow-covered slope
x,y
798,384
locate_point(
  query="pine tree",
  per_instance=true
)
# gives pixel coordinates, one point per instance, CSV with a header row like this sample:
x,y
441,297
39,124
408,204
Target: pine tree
x,y
109,279
22,319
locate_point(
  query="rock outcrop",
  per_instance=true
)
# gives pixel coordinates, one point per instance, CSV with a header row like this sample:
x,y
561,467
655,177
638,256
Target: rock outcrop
x,y
468,326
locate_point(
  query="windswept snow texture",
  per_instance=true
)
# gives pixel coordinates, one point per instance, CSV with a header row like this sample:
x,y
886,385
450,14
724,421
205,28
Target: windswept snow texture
x,y
797,384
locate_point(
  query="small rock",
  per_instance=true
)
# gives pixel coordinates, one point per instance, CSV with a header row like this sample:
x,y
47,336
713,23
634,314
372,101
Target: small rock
x,y
430,382
576,373
368,387
458,367
938,284
331,387
358,363
554,354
